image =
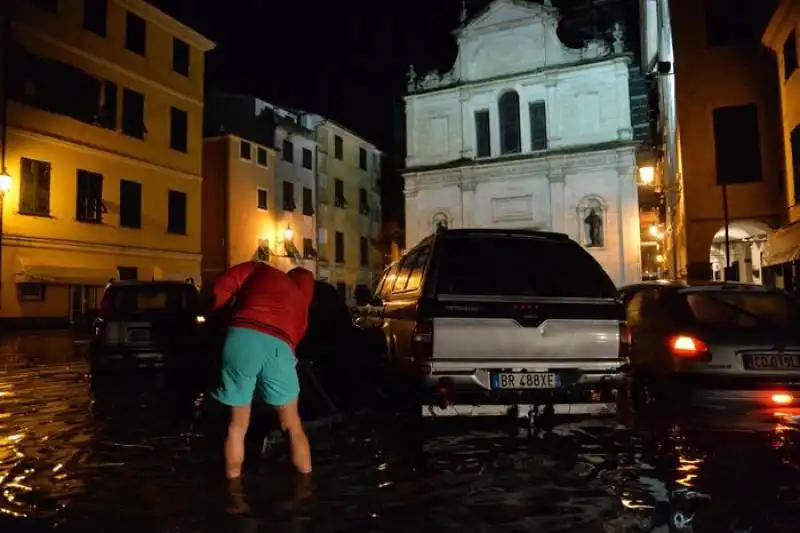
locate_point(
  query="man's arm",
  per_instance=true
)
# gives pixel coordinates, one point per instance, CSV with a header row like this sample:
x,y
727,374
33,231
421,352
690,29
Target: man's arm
x,y
226,285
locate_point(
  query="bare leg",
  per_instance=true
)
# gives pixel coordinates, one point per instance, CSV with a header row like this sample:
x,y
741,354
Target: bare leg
x,y
234,443
291,423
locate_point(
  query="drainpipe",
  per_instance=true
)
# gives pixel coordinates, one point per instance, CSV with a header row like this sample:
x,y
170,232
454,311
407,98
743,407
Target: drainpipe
x,y
670,117
315,220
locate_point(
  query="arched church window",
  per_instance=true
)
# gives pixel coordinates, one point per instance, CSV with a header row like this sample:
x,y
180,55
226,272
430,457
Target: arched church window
x,y
508,112
592,218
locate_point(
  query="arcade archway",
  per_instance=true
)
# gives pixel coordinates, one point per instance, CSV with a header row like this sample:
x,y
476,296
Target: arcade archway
x,y
746,240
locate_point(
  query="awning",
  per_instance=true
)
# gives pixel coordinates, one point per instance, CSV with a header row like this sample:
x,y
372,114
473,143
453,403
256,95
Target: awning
x,y
783,246
53,275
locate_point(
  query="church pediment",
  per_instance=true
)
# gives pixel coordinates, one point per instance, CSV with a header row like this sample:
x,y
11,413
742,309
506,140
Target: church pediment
x,y
501,13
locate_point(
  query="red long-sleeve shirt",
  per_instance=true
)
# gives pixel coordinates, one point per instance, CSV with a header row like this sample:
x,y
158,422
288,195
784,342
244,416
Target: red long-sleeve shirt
x,y
273,302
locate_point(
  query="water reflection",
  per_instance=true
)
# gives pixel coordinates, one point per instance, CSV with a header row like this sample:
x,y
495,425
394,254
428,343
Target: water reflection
x,y
134,461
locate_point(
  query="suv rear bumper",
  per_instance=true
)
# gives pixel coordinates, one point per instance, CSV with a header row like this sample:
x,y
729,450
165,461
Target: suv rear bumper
x,y
735,392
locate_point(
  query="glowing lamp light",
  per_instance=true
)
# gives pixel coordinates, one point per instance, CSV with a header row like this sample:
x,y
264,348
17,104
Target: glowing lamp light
x,y
5,182
288,233
659,258
654,230
647,175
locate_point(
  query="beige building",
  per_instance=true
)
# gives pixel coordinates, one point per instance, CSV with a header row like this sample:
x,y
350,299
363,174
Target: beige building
x,y
728,134
780,36
349,214
103,151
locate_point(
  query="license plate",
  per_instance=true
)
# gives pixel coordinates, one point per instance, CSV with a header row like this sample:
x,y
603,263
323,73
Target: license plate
x,y
138,335
525,380
772,362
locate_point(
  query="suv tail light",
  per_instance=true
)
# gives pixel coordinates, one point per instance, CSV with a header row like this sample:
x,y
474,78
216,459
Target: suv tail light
x,y
624,342
688,347
422,341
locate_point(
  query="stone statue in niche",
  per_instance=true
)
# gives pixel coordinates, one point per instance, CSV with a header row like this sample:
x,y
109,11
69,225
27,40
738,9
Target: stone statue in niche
x,y
618,33
593,226
439,220
412,78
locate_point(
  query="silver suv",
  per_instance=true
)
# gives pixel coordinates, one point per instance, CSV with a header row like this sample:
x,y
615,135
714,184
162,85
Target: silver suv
x,y
496,322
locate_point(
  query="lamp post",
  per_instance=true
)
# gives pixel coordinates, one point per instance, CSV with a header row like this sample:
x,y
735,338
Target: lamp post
x,y
5,177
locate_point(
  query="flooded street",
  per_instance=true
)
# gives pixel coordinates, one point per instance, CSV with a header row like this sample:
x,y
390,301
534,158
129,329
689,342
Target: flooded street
x,y
69,463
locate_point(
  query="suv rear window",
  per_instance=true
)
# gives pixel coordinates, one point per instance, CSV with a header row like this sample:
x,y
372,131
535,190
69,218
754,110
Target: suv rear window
x,y
521,266
147,299
726,309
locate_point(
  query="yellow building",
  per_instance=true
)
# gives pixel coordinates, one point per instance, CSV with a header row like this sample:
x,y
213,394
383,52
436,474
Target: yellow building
x,y
104,150
782,253
349,216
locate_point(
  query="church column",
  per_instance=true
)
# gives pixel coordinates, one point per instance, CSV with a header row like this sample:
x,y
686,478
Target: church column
x,y
629,230
524,124
558,208
624,128
551,105
412,217
467,128
467,204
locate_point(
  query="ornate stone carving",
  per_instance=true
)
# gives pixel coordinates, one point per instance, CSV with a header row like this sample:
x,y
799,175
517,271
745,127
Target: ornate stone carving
x,y
619,34
440,219
412,78
592,217
430,80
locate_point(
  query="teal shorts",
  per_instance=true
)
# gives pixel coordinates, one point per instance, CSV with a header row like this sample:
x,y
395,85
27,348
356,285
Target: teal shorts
x,y
252,360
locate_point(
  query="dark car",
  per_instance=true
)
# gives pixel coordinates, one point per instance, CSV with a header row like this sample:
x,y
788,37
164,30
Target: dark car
x,y
145,325
721,345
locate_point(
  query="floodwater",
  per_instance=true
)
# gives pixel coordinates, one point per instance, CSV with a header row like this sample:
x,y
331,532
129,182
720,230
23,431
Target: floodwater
x,y
70,464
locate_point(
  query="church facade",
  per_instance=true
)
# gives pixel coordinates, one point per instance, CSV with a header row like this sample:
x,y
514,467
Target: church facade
x,y
524,132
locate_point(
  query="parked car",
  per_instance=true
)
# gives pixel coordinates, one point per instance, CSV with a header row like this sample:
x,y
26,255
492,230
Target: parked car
x,y
495,322
713,344
146,325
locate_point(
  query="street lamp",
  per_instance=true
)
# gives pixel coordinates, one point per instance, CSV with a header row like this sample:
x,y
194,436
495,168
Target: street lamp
x,y
5,182
647,175
288,234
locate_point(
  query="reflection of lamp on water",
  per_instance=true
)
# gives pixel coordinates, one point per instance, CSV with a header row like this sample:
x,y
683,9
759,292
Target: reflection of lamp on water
x,y
288,234
647,175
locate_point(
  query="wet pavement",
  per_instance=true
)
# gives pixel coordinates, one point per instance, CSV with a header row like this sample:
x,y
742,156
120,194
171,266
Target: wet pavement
x,y
69,463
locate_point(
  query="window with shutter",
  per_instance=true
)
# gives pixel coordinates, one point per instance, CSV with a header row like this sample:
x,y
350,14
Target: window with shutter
x,y
483,147
508,111
538,116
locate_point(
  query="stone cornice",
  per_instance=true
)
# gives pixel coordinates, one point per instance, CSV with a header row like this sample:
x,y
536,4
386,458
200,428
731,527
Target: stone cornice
x,y
554,167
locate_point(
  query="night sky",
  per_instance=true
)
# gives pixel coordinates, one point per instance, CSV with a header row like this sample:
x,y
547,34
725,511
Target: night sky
x,y
346,59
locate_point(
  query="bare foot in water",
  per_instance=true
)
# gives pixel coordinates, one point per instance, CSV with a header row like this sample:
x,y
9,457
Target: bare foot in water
x,y
238,504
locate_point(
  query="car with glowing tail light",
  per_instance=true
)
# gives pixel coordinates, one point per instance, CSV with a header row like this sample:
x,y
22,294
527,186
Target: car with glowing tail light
x,y
720,345
488,322
145,325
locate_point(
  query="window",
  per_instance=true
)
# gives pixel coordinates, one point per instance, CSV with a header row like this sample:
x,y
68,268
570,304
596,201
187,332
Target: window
x,y
508,111
288,151
288,196
538,117
363,251
734,310
32,292
338,193
180,57
339,247
176,213
95,16
34,194
133,114
363,202
262,201
387,285
135,34
483,146
308,248
261,156
130,204
308,201
149,300
179,130
726,26
47,5
338,147
245,150
531,267
410,273
790,55
795,147
737,144
308,159
89,206
127,273
362,159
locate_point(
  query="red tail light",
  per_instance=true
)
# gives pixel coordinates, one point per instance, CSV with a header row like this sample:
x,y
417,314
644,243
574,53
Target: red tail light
x,y
687,346
782,399
422,341
624,342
